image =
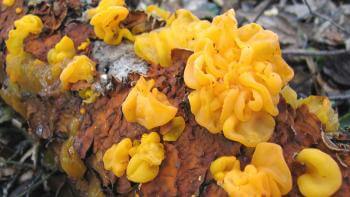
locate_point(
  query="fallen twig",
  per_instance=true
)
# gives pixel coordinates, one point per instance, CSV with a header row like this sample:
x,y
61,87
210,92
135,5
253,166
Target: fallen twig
x,y
302,52
327,18
339,97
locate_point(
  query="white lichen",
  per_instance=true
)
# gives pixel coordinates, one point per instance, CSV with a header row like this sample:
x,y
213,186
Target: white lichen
x,y
118,61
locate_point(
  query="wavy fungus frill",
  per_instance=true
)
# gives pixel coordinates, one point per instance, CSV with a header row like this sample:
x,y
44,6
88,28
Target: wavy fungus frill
x,y
147,106
106,19
116,158
180,32
28,24
146,158
265,176
236,74
321,106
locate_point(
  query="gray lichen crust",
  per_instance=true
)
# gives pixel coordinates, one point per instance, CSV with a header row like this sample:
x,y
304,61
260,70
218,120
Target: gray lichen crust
x,y
118,61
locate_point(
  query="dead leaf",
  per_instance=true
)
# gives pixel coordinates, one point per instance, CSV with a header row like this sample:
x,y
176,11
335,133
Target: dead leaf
x,y
7,18
39,46
52,14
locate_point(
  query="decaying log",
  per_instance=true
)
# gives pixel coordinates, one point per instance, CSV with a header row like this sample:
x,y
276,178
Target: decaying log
x,y
184,172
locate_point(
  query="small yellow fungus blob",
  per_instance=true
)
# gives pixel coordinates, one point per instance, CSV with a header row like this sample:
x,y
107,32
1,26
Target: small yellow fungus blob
x,y
70,160
147,106
8,3
265,176
28,24
323,176
103,5
63,50
106,19
174,130
290,96
19,10
88,95
274,165
155,47
116,158
155,10
84,45
221,166
80,68
322,108
145,159
318,105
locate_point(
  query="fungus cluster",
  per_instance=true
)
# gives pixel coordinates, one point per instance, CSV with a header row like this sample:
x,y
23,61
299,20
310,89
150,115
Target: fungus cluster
x,y
81,68
235,74
265,176
106,19
318,105
146,157
144,105
15,59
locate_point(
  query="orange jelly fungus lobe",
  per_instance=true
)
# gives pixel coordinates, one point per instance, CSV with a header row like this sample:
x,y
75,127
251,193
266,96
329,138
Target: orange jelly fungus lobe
x,y
147,106
265,176
80,68
106,19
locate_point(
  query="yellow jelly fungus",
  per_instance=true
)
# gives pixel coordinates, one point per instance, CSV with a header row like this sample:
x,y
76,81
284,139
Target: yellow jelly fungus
x,y
80,68
163,14
236,74
181,32
221,166
174,130
290,96
147,106
88,95
318,105
103,5
145,159
8,3
323,176
274,165
265,176
19,10
322,108
63,50
70,160
116,158
28,24
84,45
106,19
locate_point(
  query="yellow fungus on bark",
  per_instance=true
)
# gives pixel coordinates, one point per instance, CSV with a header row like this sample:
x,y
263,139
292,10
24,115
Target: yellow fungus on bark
x,y
84,45
116,158
80,68
147,106
265,176
28,24
106,19
155,47
236,73
145,159
8,3
319,105
63,50
70,160
174,130
323,176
